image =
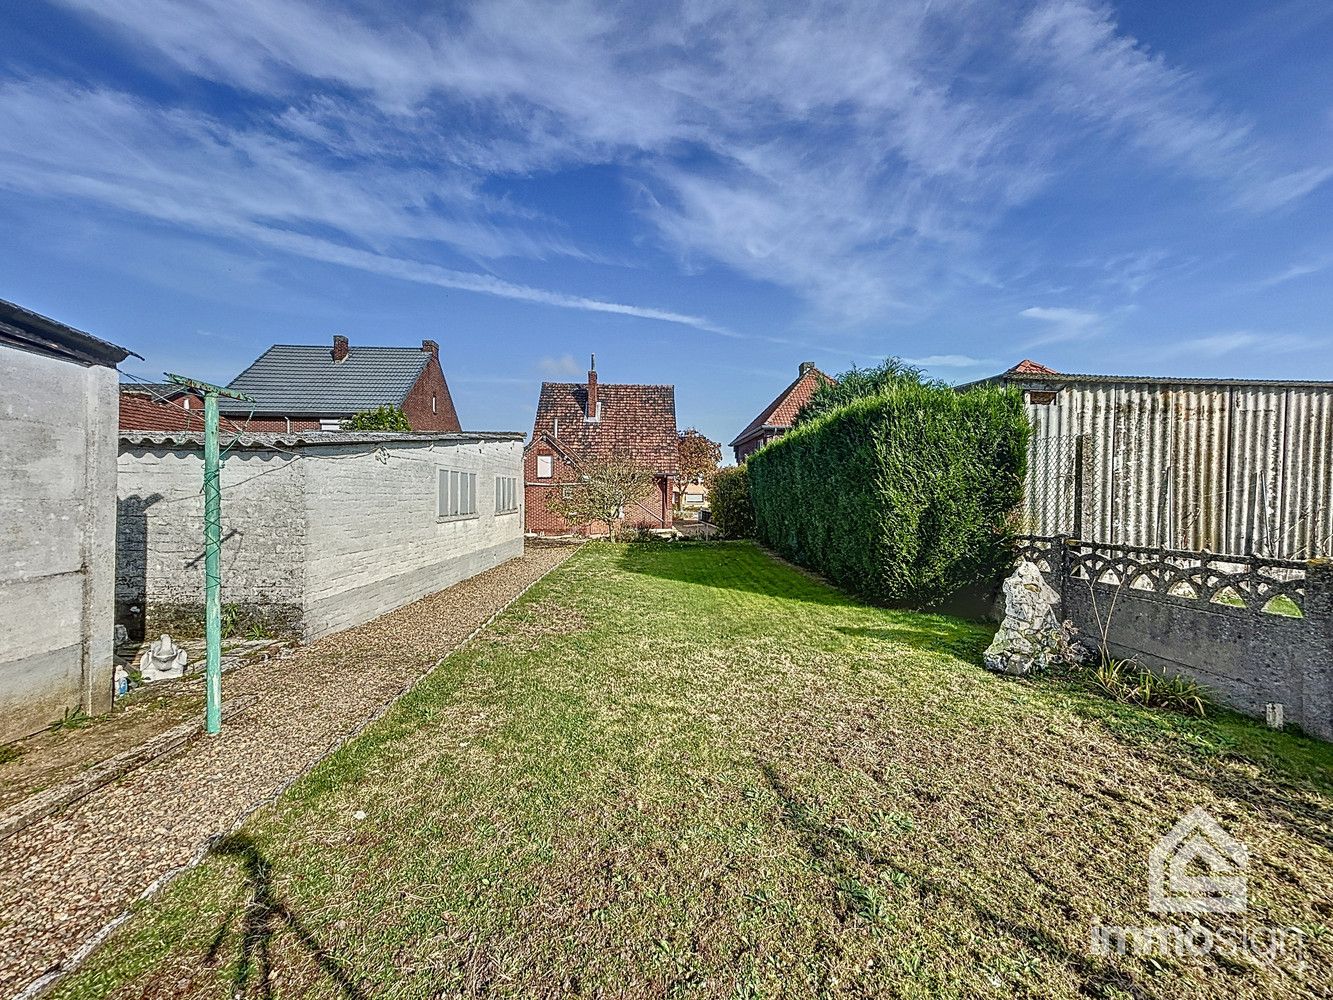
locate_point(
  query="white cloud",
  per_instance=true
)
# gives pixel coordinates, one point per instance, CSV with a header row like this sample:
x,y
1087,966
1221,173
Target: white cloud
x,y
949,361
562,367
1062,323
867,183
1301,269
1217,345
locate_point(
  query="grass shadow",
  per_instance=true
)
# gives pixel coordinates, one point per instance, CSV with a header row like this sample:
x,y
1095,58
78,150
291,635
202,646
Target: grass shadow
x,y
265,914
837,853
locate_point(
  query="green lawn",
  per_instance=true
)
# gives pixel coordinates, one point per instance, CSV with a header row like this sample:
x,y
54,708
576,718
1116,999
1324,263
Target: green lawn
x,y
688,770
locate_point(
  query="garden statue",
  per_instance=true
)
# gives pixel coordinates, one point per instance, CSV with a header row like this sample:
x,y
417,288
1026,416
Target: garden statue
x,y
162,660
1031,637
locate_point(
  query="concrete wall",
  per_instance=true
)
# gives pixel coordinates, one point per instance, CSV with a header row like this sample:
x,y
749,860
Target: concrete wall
x,y
374,542
160,539
1245,656
57,450
311,544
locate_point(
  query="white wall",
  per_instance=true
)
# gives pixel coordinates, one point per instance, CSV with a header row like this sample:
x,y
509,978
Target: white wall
x,y
57,493
373,540
160,533
325,541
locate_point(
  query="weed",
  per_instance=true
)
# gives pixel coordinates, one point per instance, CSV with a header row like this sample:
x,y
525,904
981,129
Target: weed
x,y
1126,681
9,753
74,718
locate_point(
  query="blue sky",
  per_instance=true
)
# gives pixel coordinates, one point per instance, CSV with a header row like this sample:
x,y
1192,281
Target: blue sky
x,y
700,196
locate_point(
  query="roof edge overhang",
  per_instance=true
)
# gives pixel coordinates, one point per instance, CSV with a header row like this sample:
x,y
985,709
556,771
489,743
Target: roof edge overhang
x,y
29,331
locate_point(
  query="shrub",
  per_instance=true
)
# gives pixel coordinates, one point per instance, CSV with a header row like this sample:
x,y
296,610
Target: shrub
x,y
904,497
729,502
381,418
857,383
1125,680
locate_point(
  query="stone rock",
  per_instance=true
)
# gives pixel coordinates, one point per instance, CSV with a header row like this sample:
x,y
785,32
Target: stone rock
x,y
163,660
122,635
1031,637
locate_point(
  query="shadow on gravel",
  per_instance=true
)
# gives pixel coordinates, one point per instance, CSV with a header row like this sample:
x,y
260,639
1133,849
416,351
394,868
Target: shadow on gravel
x,y
265,915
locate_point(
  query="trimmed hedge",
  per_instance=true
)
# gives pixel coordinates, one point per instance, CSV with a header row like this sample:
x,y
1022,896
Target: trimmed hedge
x,y
904,497
729,502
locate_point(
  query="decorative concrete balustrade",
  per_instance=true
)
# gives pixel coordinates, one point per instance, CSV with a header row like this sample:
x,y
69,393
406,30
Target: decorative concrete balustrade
x,y
1253,630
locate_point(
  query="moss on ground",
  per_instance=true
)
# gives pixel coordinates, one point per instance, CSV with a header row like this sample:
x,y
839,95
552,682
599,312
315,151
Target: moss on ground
x,y
689,770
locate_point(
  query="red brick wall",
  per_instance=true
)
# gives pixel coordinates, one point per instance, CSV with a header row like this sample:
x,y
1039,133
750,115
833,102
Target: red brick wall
x,y
417,406
655,512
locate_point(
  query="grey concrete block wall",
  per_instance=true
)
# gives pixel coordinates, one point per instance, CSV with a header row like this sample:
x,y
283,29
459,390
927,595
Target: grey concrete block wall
x,y
374,541
57,447
1245,657
160,532
342,533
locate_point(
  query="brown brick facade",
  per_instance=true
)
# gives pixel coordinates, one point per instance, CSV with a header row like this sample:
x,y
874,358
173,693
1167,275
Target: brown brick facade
x,y
589,420
654,512
429,406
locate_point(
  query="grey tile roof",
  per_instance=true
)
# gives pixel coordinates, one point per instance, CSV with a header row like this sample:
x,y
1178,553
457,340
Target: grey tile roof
x,y
290,379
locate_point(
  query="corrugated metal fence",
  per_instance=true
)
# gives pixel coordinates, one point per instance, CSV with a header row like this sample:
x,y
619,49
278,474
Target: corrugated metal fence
x,y
1228,468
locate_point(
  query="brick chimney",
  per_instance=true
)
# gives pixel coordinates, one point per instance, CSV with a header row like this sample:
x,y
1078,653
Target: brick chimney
x,y
592,389
339,347
431,348
805,367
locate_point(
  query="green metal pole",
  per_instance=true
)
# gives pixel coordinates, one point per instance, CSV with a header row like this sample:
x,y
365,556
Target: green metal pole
x,y
212,566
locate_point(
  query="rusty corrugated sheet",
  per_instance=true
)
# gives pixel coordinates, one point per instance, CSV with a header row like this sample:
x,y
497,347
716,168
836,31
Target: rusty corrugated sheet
x,y
1229,468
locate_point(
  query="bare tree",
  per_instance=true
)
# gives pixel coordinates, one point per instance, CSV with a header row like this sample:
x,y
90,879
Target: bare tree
x,y
606,490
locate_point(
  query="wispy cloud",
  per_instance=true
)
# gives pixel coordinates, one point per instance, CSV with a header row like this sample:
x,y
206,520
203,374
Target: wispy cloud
x,y
562,367
195,172
1217,345
950,361
1301,269
868,184
1062,323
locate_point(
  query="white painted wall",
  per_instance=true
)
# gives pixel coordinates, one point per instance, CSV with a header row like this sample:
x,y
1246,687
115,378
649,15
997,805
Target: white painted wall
x,y
339,535
57,494
373,540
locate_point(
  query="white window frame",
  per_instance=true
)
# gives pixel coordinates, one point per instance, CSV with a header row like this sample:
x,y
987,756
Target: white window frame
x,y
455,494
546,462
506,495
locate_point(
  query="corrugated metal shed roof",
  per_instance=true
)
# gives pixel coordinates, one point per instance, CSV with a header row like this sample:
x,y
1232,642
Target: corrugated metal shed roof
x,y
290,379
30,331
304,439
1172,380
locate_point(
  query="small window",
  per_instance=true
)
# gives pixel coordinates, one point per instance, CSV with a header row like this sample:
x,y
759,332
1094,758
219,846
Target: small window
x,y
457,494
543,466
432,404
506,494
330,425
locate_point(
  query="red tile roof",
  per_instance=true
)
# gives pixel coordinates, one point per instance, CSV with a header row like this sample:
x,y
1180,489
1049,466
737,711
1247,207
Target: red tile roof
x,y
139,411
636,421
1027,367
781,413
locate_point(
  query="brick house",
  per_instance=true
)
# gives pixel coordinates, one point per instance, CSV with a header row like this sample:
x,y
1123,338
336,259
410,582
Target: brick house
x,y
777,417
304,387
164,406
576,421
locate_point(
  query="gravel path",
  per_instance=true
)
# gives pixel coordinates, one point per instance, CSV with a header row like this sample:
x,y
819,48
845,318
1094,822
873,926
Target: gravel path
x,y
65,877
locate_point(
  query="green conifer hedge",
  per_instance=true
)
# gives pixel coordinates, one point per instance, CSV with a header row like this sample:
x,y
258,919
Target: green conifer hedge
x,y
905,497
